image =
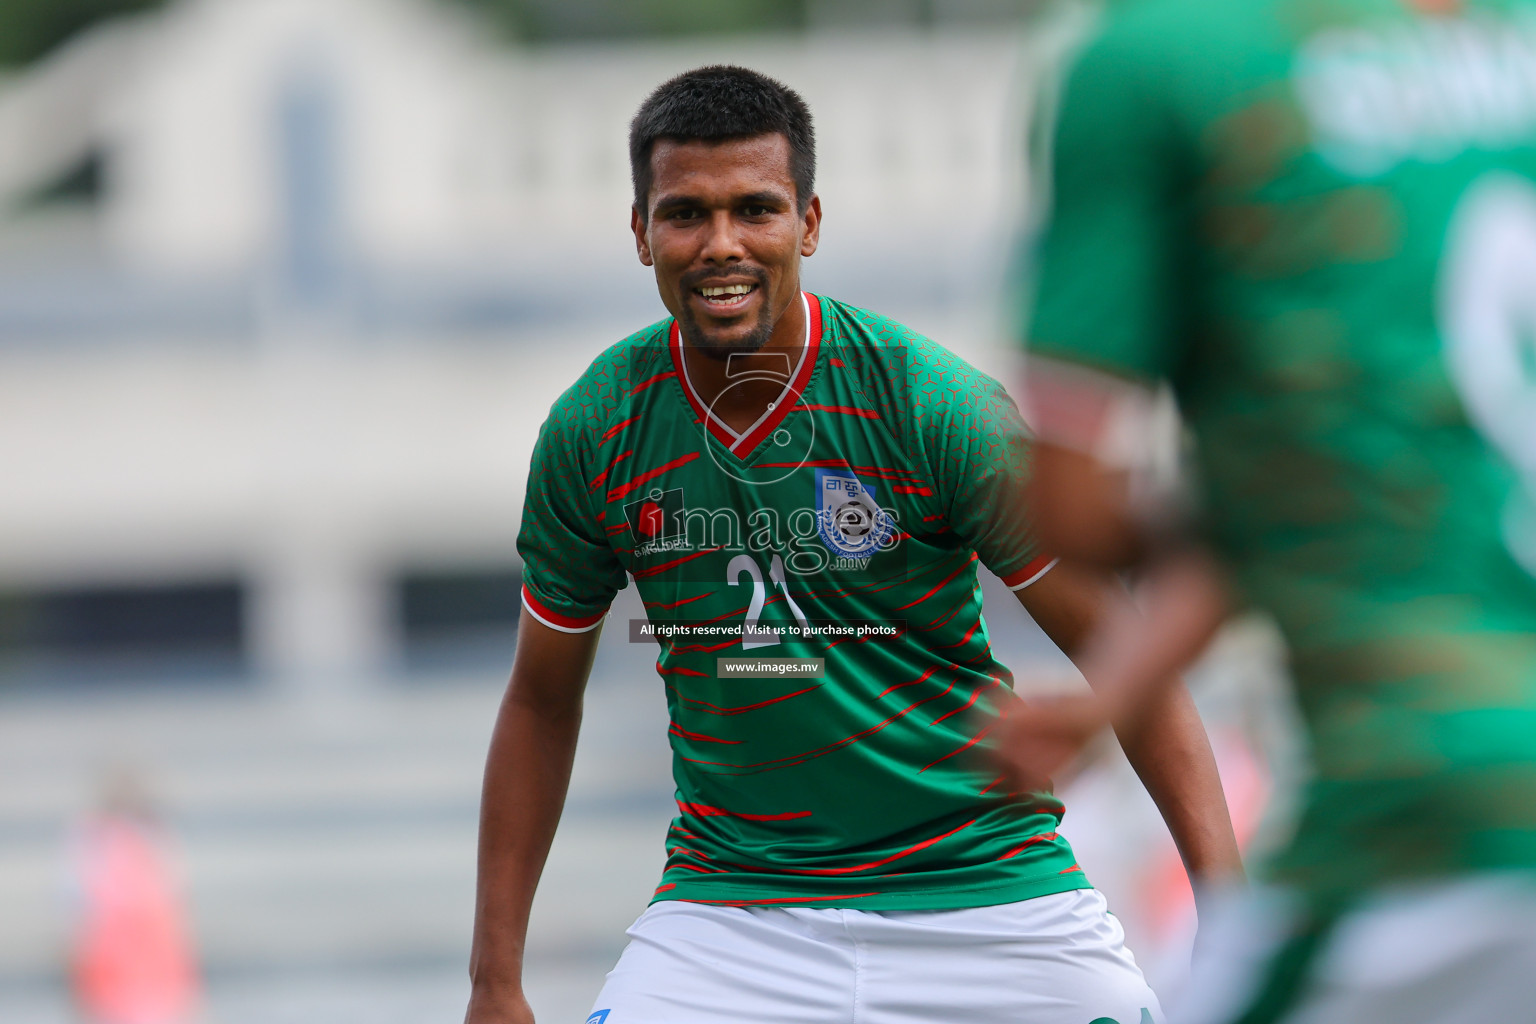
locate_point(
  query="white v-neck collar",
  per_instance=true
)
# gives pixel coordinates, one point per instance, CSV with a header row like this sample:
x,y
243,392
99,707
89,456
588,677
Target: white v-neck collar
x,y
777,409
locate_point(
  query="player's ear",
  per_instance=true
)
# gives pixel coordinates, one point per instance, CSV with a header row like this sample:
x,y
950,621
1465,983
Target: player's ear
x,y
810,223
642,243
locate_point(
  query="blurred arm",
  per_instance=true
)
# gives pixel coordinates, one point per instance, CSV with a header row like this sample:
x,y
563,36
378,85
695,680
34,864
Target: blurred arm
x,y
1091,618
527,773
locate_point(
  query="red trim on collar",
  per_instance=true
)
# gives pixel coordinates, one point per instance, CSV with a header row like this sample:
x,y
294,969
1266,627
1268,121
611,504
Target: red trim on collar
x,y
744,445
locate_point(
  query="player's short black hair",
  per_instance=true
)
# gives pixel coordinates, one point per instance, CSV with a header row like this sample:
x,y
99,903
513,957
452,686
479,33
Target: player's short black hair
x,y
716,104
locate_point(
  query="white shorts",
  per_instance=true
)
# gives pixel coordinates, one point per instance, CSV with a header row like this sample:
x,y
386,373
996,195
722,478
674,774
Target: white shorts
x,y
1461,951
1057,959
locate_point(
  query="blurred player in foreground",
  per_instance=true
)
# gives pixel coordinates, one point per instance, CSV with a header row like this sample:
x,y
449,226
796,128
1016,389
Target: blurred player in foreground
x,y
771,458
1316,220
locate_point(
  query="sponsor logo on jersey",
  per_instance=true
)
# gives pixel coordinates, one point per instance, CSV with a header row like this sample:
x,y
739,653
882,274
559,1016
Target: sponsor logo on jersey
x,y
851,522
657,522
598,1016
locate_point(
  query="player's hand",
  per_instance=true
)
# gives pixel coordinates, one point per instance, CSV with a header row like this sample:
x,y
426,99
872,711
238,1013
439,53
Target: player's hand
x,y
504,1007
1036,739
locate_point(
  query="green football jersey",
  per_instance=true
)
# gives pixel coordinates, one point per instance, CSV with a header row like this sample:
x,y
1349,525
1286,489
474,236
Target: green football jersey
x,y
845,526
1317,220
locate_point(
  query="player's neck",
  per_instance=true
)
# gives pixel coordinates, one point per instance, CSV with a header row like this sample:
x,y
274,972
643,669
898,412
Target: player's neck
x,y
739,387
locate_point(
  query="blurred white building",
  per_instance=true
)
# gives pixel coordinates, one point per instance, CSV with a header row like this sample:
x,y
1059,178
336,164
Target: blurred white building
x,y
274,374
341,256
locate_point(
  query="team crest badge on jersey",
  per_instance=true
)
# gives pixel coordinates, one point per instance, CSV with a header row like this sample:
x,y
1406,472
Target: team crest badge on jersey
x,y
656,521
852,524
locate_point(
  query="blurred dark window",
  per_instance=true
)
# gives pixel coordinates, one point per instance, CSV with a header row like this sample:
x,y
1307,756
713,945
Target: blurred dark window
x,y
459,618
182,631
78,184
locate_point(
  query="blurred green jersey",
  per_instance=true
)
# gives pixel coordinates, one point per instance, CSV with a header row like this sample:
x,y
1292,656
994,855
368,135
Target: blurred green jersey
x,y
1317,220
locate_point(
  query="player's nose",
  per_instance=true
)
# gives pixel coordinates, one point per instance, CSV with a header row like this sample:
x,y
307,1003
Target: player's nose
x,y
722,239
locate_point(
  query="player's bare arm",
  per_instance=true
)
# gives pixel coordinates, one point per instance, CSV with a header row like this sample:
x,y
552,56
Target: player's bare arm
x,y
526,776
1092,502
1165,741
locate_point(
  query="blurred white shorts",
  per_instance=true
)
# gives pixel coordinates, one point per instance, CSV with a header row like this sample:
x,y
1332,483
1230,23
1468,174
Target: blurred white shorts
x,y
1460,951
1057,959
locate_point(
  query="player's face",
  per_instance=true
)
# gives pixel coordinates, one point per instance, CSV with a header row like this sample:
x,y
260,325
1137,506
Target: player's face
x,y
726,236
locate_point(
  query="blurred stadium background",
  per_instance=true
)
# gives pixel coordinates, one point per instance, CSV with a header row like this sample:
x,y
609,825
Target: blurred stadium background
x,y
286,288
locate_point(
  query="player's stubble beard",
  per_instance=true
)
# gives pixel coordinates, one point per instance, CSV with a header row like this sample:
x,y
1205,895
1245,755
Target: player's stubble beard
x,y
722,351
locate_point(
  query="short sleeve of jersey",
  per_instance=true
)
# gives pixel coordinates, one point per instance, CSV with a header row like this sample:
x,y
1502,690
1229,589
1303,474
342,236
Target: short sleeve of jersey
x,y
570,572
978,451
1106,267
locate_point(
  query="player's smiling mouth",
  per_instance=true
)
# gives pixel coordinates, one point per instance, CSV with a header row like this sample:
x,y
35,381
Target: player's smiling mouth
x,y
725,297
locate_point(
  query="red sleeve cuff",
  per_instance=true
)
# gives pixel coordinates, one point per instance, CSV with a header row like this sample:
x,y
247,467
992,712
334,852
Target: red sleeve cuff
x,y
556,620
1030,573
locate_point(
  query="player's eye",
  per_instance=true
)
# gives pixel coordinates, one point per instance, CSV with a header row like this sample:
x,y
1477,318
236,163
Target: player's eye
x,y
755,210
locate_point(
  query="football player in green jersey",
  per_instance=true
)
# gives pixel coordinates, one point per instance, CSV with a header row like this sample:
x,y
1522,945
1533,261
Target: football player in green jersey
x,y
1315,220
802,492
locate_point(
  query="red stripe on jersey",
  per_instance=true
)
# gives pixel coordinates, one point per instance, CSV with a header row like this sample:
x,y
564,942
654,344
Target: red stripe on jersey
x,y
866,639
676,604
664,566
700,870
880,586
703,648
715,709
940,585
706,811
838,362
1068,871
677,730
550,617
1033,841
1031,572
597,481
943,620
979,691
985,789
929,519
680,671
783,899
963,640
613,431
810,755
663,888
723,615
651,474
910,682
914,848
921,492
843,410
967,745
647,383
